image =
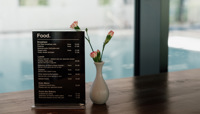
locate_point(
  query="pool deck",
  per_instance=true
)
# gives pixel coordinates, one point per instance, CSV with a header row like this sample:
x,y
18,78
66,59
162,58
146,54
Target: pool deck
x,y
165,93
185,33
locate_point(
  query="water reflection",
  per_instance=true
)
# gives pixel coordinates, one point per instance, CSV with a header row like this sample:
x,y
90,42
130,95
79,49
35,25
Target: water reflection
x,y
1,74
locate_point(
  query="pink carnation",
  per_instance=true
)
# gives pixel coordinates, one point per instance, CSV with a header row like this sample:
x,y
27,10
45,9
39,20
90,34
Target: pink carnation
x,y
74,24
111,33
93,54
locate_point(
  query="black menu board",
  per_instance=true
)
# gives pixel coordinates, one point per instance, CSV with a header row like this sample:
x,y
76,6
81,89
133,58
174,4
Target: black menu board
x,y
59,69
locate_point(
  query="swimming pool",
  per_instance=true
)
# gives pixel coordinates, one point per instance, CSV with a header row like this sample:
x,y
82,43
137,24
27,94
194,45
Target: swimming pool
x,y
16,61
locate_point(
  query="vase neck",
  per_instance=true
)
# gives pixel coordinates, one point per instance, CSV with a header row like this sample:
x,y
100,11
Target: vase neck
x,y
99,66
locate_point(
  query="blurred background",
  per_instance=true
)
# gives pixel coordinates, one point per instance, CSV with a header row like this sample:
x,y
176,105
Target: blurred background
x,y
19,17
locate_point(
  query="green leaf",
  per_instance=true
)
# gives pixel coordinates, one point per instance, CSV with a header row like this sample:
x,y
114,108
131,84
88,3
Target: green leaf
x,y
99,57
95,59
77,28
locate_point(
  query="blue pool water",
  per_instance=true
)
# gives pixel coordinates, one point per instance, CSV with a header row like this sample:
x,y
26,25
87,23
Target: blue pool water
x,y
16,61
180,59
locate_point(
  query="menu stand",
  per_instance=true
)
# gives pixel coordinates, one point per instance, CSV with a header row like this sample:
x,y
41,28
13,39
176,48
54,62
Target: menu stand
x,y
59,69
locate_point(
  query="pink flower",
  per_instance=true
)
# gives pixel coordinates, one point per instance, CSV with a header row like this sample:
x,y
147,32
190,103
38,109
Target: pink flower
x,y
93,54
74,25
111,33
108,37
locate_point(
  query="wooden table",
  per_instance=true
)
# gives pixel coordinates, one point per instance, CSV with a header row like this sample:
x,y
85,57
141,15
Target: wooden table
x,y
165,93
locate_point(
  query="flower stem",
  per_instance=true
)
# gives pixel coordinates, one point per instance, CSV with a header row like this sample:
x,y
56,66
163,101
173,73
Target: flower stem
x,y
103,50
89,43
87,35
88,39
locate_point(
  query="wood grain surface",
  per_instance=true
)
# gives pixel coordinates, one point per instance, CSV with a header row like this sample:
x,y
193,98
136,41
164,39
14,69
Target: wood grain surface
x,y
166,93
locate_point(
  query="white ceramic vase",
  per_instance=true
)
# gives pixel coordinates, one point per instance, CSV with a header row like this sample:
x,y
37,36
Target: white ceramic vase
x,y
99,92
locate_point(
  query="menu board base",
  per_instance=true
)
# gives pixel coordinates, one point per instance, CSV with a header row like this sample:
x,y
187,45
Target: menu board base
x,y
64,106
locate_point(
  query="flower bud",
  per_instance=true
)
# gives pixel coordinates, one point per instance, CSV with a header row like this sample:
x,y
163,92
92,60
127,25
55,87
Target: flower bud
x,y
93,54
108,37
74,25
111,33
